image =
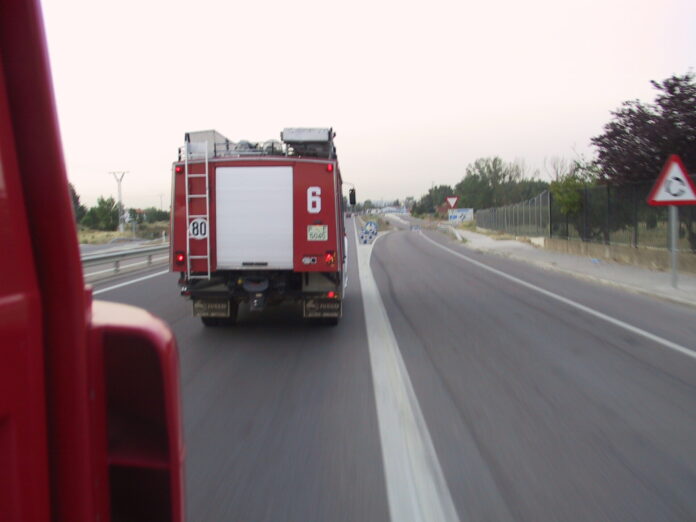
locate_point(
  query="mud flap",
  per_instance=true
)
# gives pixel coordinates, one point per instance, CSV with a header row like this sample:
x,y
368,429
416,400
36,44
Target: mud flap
x,y
321,307
211,308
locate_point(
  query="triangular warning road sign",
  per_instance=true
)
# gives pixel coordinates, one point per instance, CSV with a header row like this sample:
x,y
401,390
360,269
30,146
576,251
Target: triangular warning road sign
x,y
674,186
452,201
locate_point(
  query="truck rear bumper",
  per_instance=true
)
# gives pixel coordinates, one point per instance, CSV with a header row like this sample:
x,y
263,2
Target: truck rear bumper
x,y
219,296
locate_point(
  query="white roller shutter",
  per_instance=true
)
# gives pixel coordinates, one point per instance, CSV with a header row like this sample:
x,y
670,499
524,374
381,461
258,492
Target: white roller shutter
x,y
253,207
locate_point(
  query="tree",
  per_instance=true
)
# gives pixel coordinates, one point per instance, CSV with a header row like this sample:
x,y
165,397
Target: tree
x,y
567,193
433,199
152,214
135,215
79,210
102,217
491,182
636,143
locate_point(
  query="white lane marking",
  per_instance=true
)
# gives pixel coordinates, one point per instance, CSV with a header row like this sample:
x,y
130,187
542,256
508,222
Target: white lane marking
x,y
102,290
609,319
111,270
416,486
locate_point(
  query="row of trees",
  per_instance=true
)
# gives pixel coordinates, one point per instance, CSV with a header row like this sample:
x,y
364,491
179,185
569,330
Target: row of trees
x,y
104,216
488,182
632,148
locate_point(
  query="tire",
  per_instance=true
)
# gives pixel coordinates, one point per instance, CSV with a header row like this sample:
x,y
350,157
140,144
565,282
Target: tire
x,y
324,321
210,321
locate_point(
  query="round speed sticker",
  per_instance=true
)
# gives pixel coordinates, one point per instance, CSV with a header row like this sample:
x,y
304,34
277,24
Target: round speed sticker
x,y
198,229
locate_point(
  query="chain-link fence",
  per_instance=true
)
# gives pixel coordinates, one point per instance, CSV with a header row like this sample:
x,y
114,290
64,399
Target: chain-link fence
x,y
528,218
607,214
622,216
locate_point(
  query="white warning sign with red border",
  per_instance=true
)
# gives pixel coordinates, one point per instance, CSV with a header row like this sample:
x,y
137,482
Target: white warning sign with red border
x,y
452,201
674,186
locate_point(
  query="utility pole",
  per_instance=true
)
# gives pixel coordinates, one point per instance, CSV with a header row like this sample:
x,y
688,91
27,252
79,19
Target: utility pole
x,y
118,176
161,195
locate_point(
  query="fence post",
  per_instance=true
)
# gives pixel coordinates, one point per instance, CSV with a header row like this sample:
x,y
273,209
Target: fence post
x,y
635,217
550,220
608,224
585,232
527,218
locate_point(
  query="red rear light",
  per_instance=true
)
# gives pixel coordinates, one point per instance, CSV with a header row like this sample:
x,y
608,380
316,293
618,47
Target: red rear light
x,y
179,257
178,169
331,295
330,258
329,167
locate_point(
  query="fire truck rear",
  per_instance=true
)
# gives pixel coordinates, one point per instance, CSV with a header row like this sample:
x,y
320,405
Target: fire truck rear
x,y
259,223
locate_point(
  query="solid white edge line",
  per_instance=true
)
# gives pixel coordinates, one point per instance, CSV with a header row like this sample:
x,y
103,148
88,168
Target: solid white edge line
x,y
120,285
416,487
609,319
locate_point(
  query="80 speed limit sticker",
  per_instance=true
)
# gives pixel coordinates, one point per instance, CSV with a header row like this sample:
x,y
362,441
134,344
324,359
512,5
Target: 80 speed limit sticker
x,y
198,229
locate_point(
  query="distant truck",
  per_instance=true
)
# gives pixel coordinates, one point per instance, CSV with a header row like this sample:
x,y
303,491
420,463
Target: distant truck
x,y
259,223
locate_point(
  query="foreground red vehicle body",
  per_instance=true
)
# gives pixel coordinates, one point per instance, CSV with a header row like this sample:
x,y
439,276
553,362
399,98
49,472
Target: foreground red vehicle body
x,y
259,224
90,425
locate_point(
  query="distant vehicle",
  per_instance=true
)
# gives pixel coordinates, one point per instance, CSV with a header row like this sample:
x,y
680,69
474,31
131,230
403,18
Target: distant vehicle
x,y
90,423
259,224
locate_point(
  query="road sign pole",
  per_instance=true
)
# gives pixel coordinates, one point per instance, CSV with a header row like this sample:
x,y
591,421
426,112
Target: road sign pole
x,y
674,239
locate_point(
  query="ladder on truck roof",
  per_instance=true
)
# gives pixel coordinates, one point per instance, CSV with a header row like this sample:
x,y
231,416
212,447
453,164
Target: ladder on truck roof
x,y
203,220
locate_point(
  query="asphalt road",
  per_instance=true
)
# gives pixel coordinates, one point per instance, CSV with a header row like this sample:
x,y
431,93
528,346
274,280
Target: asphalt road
x,y
536,409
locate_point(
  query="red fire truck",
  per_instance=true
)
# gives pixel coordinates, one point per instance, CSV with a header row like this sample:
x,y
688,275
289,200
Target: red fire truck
x,y
90,425
259,223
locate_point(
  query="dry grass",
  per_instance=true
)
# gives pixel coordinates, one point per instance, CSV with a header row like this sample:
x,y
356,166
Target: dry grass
x,y
468,225
143,231
100,237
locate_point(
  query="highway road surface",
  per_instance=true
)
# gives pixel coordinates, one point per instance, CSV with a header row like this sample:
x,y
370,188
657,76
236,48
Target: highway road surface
x,y
457,386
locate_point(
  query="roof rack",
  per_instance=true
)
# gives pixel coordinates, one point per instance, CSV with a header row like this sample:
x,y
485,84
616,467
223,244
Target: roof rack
x,y
307,142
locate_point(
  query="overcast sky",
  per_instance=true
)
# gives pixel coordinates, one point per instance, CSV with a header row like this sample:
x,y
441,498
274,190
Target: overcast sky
x,y
414,90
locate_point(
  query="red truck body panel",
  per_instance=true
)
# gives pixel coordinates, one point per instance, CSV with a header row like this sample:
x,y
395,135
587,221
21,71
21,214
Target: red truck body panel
x,y
24,491
59,365
307,173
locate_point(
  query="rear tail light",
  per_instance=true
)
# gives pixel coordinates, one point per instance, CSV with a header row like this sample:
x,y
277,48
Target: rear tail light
x,y
178,169
331,295
329,167
179,258
330,258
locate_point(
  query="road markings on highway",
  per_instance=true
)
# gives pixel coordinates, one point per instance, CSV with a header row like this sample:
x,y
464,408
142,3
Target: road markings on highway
x,y
133,281
591,311
416,487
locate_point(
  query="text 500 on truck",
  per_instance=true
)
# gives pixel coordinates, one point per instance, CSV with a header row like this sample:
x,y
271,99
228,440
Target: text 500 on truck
x,y
259,224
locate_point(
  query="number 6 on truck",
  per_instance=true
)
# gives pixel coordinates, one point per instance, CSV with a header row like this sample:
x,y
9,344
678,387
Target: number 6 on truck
x,y
314,200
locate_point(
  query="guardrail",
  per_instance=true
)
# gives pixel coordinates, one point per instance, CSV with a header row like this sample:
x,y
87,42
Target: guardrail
x,y
90,260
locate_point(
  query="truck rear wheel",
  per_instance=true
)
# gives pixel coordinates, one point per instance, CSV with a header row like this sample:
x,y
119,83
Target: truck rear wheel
x,y
324,321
